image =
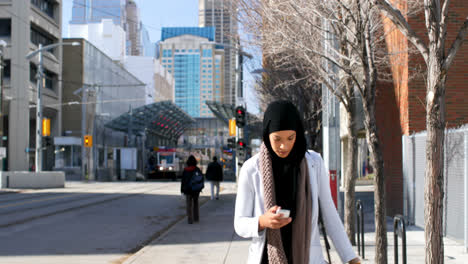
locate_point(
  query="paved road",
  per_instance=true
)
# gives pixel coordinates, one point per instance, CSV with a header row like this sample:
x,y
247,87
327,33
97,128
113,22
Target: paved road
x,y
86,222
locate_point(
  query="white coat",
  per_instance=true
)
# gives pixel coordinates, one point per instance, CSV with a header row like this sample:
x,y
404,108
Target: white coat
x,y
250,206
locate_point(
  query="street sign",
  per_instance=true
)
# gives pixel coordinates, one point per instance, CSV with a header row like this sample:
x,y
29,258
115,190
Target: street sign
x,y
2,152
232,127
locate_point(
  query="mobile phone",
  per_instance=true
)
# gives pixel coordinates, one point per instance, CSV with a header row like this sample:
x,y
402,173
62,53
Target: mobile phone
x,y
285,212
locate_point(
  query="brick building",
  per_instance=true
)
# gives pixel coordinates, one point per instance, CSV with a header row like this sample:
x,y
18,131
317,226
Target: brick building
x,y
403,101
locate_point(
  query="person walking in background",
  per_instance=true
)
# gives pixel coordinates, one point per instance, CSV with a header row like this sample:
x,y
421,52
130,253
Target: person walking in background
x,y
284,175
214,174
191,185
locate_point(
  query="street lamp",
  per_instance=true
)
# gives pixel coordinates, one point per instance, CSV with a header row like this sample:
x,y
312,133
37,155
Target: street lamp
x,y
39,76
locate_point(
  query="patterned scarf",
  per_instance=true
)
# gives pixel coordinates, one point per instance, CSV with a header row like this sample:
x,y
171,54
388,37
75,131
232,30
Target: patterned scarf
x,y
301,228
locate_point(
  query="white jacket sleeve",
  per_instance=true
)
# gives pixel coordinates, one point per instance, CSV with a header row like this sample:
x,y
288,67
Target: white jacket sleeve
x,y
333,225
245,220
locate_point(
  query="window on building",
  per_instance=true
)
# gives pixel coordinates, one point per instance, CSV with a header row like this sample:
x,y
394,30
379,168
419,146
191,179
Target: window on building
x,y
5,27
167,53
39,37
50,78
207,53
46,6
7,69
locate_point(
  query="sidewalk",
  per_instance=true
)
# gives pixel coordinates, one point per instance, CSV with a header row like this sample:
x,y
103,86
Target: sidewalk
x,y
213,240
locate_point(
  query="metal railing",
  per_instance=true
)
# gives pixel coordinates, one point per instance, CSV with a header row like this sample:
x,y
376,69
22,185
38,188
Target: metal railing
x,y
360,228
399,229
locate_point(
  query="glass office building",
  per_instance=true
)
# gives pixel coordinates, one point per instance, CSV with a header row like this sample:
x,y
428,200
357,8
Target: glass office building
x,y
196,62
93,11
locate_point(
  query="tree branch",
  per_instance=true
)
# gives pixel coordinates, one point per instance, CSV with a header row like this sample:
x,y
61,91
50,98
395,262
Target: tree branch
x,y
443,21
462,33
399,20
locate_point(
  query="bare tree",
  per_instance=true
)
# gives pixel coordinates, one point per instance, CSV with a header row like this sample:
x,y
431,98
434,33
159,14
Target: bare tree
x,y
438,61
335,42
338,43
288,81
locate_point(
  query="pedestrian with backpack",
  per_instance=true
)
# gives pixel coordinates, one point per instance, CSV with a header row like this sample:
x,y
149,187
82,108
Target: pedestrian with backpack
x,y
214,174
191,186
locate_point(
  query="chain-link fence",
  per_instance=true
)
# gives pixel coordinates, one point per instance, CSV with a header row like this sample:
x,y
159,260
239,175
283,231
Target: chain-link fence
x,y
455,177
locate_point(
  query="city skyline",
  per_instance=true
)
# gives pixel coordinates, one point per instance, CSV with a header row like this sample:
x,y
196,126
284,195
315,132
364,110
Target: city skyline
x,y
155,16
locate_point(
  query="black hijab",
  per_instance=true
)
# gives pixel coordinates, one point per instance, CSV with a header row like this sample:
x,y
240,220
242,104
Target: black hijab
x,y
283,115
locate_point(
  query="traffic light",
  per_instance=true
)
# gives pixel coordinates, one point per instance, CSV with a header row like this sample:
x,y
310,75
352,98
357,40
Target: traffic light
x,y
88,141
240,116
241,151
231,143
46,127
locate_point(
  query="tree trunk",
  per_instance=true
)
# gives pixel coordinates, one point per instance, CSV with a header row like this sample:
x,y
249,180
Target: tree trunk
x,y
379,184
350,175
434,180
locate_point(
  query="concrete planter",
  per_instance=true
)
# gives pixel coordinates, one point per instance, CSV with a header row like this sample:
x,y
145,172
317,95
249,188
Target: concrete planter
x,y
32,180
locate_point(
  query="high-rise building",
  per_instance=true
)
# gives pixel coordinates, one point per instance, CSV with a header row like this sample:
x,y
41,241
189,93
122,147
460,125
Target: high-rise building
x,y
105,35
24,24
124,14
221,14
196,62
148,48
93,11
133,29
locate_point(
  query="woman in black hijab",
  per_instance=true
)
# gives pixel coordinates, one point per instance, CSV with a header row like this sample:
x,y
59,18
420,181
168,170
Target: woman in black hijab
x,y
285,175
283,116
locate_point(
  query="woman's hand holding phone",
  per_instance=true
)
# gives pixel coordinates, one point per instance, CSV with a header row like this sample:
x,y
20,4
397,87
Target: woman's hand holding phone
x,y
273,220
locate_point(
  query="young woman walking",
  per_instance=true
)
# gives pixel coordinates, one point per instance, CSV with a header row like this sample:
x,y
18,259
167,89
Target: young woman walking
x,y
284,175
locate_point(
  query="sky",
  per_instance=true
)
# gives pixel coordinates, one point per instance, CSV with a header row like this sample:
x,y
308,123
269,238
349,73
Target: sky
x,y
156,14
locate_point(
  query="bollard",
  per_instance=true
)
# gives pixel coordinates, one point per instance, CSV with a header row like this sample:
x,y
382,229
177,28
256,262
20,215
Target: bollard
x,y
360,228
398,221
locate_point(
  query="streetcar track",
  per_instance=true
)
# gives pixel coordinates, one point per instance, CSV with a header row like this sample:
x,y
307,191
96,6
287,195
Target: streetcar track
x,y
41,194
118,197
64,194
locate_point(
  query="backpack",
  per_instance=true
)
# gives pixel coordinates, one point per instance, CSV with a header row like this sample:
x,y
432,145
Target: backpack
x,y
196,182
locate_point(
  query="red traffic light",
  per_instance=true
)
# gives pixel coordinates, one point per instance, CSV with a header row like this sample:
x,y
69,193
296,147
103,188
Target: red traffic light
x,y
241,143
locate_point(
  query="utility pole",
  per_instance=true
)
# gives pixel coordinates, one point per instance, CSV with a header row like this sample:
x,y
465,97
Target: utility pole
x,y
84,100
39,76
2,46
